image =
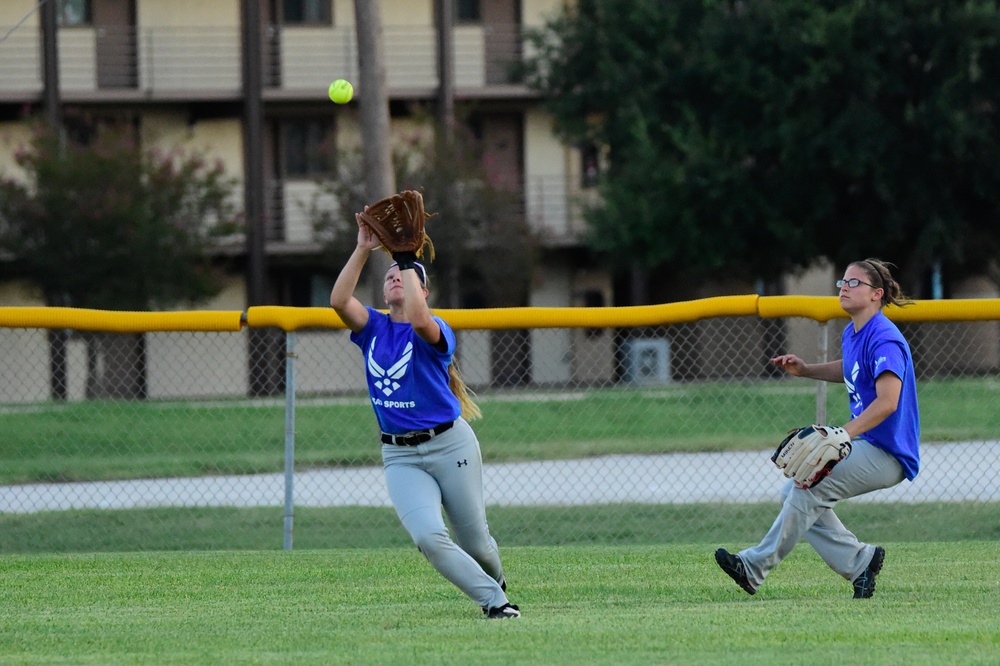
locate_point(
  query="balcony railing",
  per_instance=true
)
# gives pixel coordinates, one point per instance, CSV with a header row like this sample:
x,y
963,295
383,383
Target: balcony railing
x,y
552,206
205,62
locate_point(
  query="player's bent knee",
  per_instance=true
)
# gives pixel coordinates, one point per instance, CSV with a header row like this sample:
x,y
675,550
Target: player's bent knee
x,y
429,542
479,549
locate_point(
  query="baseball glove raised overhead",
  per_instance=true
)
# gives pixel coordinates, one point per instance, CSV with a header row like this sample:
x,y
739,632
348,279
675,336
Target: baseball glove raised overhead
x,y
398,222
809,454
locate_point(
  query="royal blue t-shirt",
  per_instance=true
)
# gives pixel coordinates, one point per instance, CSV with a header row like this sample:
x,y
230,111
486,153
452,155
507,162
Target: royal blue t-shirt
x,y
407,378
879,347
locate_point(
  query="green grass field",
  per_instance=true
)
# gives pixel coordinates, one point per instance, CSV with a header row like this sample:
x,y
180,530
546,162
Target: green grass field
x,y
202,528
935,604
614,584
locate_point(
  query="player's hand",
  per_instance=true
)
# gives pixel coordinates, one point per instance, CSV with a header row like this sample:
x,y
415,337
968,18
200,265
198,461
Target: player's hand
x,y
791,364
366,239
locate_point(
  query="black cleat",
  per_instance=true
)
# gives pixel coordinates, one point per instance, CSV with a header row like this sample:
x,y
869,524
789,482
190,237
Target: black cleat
x,y
733,565
864,585
502,613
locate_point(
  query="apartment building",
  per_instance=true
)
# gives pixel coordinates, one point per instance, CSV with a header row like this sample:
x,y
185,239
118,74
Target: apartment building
x,y
174,69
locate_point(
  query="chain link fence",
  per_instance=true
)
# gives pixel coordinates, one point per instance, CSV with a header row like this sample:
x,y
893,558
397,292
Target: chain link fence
x,y
255,436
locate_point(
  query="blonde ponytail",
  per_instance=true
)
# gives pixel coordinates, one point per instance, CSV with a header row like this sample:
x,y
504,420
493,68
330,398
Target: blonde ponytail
x,y
470,410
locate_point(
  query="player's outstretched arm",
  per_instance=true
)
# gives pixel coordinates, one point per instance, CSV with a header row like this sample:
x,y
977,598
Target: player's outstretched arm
x,y
350,310
793,365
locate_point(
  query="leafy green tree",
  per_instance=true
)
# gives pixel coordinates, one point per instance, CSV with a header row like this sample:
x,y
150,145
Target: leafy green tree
x,y
749,139
107,225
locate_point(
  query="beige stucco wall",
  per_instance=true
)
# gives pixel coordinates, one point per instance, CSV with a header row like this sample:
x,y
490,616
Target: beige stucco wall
x,y
18,294
12,11
231,297
188,13
550,358
218,139
804,335
536,12
544,155
817,280
20,54
343,12
407,12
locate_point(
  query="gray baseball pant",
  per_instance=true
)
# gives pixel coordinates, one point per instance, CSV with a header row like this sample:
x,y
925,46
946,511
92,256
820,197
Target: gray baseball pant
x,y
809,513
447,472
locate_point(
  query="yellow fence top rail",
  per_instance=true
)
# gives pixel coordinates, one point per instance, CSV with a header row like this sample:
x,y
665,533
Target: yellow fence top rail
x,y
119,321
638,315
818,308
291,319
958,309
825,308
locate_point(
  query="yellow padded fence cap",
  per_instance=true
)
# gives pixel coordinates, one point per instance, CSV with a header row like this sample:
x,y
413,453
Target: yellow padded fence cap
x,y
115,321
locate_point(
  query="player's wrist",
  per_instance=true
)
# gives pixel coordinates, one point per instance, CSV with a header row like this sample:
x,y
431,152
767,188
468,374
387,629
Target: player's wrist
x,y
405,260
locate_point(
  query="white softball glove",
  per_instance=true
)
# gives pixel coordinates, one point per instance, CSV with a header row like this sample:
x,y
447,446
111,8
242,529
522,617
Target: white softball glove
x,y
809,454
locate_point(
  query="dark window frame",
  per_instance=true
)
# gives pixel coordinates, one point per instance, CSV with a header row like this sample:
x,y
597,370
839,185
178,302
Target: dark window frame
x,y
307,12
307,147
67,20
468,11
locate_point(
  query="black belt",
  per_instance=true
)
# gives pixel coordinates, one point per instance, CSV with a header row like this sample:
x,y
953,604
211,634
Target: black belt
x,y
417,436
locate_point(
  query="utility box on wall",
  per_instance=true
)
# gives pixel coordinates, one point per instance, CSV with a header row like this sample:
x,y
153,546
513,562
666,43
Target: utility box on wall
x,y
647,361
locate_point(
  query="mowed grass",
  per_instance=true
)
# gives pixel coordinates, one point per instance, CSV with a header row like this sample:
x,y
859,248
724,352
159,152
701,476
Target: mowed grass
x,y
598,585
117,439
667,604
224,528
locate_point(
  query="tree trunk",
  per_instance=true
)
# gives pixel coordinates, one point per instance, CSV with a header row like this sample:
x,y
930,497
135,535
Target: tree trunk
x,y
638,286
380,179
445,14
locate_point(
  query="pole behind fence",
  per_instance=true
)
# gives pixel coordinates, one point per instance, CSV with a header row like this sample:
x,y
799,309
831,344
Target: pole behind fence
x,y
824,350
290,339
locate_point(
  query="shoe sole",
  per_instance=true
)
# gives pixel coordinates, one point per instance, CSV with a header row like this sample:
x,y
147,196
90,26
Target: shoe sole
x,y
874,567
878,558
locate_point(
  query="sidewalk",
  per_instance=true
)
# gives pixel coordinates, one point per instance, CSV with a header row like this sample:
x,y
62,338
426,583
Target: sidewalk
x,y
956,472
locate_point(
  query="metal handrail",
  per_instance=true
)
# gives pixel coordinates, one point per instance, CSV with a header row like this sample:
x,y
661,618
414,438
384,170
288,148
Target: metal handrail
x,y
204,62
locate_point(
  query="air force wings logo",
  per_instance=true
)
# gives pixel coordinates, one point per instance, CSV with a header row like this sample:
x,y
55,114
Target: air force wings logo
x,y
852,390
385,380
878,363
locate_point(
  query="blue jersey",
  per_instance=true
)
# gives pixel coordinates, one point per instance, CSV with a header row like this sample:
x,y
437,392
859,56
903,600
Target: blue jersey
x,y
407,378
879,347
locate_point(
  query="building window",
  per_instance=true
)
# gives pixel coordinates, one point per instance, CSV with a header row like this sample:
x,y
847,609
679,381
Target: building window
x,y
306,12
467,11
73,12
308,148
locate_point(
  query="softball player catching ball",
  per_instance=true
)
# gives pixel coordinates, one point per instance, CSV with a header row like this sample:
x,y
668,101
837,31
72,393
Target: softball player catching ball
x,y
430,453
